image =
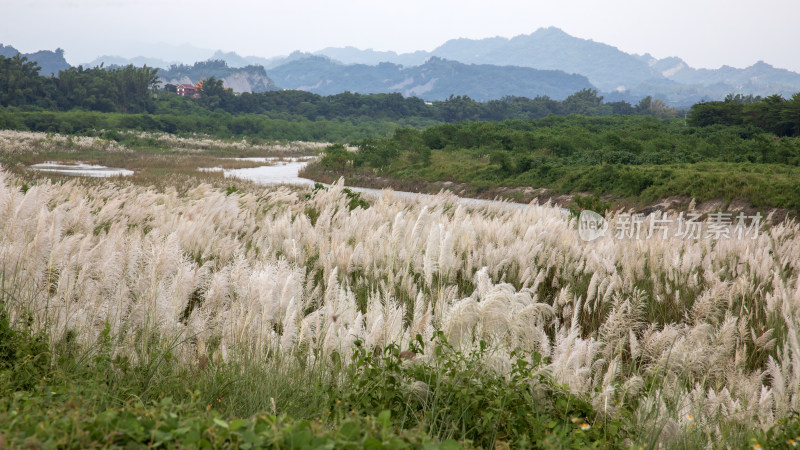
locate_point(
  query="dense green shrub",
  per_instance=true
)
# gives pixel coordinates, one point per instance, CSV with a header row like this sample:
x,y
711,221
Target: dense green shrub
x,y
633,157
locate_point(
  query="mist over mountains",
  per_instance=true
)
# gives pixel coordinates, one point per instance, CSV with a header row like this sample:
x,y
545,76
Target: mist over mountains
x,y
619,75
436,79
547,62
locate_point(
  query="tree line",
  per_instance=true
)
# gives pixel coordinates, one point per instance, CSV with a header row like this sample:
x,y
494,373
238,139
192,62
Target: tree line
x,y
127,89
516,146
133,89
288,104
137,90
773,114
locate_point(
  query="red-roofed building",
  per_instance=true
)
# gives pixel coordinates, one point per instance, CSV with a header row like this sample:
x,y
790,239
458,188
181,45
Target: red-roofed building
x,y
187,90
191,90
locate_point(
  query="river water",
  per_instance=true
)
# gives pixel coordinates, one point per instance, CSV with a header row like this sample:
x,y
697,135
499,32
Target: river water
x,y
80,169
279,171
286,172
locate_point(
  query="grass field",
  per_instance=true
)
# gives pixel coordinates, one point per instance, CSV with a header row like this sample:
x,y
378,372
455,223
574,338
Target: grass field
x,y
189,312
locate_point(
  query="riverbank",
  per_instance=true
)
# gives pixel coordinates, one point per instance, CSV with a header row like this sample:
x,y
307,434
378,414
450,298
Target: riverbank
x,y
526,194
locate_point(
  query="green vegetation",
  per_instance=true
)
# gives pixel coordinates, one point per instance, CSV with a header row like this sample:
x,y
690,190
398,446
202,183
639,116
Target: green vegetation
x,y
131,98
127,89
773,114
220,125
638,159
395,107
78,397
457,395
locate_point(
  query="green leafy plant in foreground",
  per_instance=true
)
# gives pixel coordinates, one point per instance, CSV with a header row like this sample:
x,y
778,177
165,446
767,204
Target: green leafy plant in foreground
x,y
785,434
83,399
59,419
589,202
384,398
354,199
24,357
457,396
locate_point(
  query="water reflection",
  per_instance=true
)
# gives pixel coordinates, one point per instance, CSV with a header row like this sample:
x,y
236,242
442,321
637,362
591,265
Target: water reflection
x,y
80,169
279,173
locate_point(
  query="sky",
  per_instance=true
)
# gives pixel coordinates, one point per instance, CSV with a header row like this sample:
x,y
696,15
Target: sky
x,y
705,33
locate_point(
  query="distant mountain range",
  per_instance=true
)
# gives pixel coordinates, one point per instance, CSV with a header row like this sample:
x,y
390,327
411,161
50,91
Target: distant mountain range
x,y
546,62
548,48
621,75
436,79
231,58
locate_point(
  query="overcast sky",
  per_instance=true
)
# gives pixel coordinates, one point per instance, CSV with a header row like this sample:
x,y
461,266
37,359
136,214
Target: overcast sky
x,y
705,33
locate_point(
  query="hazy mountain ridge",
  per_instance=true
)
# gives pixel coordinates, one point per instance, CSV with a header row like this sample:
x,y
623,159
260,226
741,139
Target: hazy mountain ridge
x,y
436,79
231,58
119,61
250,78
51,62
160,55
619,74
605,66
352,55
759,74
490,68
